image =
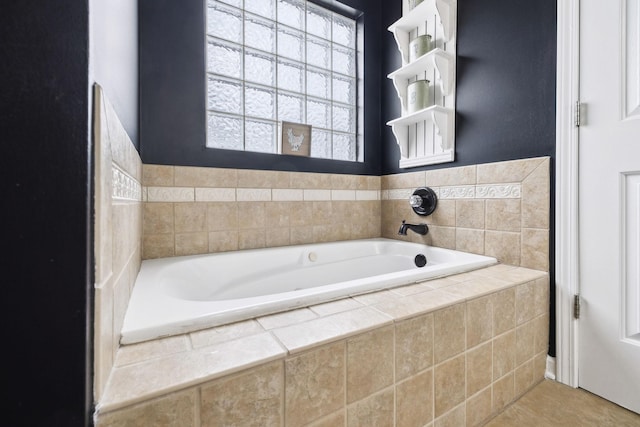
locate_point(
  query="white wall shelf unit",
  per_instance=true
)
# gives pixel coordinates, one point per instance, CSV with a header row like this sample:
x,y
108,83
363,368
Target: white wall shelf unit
x,y
435,120
436,60
444,10
427,136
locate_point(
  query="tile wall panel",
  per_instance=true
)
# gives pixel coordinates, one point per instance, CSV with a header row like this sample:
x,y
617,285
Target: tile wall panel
x,y
193,210
118,232
497,209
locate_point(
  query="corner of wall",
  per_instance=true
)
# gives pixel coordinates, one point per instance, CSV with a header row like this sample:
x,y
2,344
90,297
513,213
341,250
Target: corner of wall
x,y
118,231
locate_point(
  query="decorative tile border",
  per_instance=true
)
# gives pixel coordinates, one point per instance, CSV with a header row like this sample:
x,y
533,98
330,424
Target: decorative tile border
x,y
170,194
459,192
190,194
486,191
403,194
499,191
124,187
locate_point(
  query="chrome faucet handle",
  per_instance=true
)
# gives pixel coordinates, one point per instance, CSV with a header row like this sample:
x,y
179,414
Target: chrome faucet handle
x,y
415,201
423,201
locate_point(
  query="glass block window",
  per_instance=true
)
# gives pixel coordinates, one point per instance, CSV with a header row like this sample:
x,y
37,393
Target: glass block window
x,y
270,61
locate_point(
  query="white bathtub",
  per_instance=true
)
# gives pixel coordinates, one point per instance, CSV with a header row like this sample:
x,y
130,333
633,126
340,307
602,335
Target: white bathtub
x,y
184,294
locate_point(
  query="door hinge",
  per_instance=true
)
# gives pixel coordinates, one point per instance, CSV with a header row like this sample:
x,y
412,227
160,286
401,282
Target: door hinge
x,y
576,306
579,114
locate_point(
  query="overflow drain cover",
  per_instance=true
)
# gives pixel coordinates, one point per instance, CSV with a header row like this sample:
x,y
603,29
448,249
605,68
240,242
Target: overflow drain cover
x,y
420,260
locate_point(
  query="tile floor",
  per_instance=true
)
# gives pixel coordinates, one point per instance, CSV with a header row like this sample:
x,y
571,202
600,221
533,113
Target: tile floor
x,y
551,404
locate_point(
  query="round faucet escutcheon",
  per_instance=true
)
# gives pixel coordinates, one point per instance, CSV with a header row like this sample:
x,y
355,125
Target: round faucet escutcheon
x,y
423,201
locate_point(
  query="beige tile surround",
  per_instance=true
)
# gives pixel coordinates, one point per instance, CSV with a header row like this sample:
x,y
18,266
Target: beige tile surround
x,y
499,209
118,230
496,209
450,351
193,210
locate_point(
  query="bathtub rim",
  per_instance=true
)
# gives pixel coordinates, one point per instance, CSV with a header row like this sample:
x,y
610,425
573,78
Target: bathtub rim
x,y
142,295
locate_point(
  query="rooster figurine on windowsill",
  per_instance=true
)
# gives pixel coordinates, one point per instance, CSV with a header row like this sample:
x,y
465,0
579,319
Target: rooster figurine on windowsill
x,y
295,141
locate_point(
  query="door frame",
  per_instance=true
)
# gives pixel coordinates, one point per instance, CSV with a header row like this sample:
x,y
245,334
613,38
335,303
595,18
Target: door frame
x,y
567,267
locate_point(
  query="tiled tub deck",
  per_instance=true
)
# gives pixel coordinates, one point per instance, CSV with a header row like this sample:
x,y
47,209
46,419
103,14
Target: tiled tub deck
x,y
449,351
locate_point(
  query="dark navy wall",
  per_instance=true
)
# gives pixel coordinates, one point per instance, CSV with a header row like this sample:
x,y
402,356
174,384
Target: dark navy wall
x,y
505,106
172,93
46,169
506,73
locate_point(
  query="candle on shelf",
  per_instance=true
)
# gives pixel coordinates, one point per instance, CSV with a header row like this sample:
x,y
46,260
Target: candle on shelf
x,y
419,46
418,95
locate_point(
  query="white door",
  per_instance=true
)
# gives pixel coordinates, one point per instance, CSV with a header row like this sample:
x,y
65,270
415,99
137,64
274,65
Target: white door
x,y
609,207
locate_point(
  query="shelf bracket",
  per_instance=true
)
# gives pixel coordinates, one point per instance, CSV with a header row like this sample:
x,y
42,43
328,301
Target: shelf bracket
x,y
402,138
447,17
402,39
443,125
442,62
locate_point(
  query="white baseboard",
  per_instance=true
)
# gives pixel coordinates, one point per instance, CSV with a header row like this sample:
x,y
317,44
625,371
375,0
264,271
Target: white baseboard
x,y
550,372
